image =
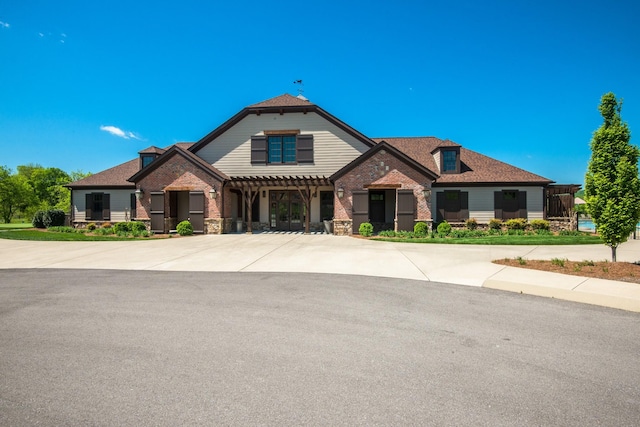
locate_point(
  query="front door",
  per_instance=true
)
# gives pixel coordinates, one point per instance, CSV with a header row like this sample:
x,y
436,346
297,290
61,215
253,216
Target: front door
x,y
286,210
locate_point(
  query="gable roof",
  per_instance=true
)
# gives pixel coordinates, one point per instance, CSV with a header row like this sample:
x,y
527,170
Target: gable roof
x,y
189,156
475,168
279,105
393,151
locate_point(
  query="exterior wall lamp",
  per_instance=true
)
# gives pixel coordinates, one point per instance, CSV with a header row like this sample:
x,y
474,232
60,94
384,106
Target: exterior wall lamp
x,y
139,192
340,193
427,194
213,193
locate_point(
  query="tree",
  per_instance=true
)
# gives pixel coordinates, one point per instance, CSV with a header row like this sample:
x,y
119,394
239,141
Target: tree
x,y
15,194
612,187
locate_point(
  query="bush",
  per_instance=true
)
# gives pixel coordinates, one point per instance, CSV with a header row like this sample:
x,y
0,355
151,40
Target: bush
x,y
471,224
421,228
185,228
137,226
539,224
387,233
444,228
495,224
91,226
62,229
106,225
516,224
38,220
122,227
365,229
48,218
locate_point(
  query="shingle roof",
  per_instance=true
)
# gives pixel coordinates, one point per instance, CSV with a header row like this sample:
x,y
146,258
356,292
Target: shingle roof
x,y
475,168
118,176
284,100
114,177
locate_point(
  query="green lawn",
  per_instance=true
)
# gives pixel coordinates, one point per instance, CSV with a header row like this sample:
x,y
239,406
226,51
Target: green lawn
x,y
584,239
58,237
15,225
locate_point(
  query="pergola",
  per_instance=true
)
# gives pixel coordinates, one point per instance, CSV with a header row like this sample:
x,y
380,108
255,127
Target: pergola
x,y
250,187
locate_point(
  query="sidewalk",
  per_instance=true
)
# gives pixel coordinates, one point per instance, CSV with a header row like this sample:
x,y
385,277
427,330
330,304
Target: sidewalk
x,y
275,253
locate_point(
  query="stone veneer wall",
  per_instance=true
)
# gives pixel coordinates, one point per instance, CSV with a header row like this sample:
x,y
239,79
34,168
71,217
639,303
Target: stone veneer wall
x,y
342,227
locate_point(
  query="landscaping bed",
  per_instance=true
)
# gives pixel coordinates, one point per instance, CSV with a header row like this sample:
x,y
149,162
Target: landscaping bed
x,y
622,271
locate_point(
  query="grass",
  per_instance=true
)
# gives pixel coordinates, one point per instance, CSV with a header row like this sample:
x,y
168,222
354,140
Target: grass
x,y
584,239
59,237
15,225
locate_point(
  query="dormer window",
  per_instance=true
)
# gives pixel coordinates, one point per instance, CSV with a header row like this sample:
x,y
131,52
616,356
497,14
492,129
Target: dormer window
x,y
450,160
146,159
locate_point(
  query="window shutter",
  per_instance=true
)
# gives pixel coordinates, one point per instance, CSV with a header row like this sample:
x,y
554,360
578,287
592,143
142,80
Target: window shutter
x,y
258,149
464,206
497,204
106,207
440,206
88,203
305,148
134,205
522,204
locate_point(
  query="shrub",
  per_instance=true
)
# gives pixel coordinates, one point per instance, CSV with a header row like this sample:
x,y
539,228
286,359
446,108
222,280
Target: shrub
x,y
539,224
365,229
122,227
38,220
516,224
495,224
91,226
106,225
53,218
137,226
185,228
387,233
444,228
421,228
471,224
104,231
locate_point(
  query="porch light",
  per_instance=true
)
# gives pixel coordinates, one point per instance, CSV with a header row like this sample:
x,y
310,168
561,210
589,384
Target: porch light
x,y
427,194
139,193
213,193
340,193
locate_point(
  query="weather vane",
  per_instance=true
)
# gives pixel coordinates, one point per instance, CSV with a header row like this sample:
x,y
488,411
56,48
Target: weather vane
x,y
300,87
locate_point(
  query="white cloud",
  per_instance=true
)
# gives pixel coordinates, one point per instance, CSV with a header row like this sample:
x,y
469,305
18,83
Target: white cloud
x,y
120,133
4,24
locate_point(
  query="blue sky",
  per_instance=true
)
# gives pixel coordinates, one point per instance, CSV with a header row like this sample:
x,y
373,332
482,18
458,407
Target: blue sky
x,y
85,85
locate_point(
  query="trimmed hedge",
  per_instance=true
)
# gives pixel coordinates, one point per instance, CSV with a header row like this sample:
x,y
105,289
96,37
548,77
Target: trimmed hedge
x,y
185,228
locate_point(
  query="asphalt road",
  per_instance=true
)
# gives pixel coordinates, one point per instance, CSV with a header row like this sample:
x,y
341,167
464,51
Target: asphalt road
x,y
143,348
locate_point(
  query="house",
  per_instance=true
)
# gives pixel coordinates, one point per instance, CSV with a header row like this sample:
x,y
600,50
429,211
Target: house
x,y
287,164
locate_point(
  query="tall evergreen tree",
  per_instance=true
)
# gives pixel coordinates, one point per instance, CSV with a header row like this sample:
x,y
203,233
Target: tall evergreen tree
x,y
612,190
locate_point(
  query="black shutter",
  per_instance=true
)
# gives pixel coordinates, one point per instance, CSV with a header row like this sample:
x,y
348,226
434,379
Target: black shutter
x,y
464,206
440,206
106,207
134,206
196,211
406,210
359,209
497,204
522,204
258,149
88,204
304,145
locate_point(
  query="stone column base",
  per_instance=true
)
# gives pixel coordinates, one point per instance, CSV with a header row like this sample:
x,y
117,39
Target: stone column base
x,y
343,227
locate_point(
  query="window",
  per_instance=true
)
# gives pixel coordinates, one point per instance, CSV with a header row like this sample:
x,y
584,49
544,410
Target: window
x,y
97,207
281,148
146,159
449,161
